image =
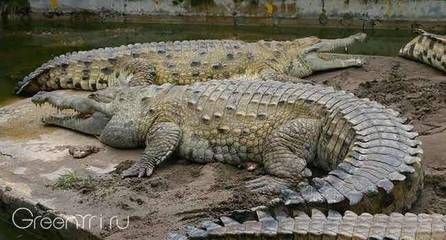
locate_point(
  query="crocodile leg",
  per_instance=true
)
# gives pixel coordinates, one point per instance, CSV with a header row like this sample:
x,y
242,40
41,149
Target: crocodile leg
x,y
135,72
161,142
286,154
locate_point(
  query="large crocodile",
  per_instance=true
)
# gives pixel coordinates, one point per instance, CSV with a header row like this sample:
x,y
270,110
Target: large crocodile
x,y
187,62
427,48
372,158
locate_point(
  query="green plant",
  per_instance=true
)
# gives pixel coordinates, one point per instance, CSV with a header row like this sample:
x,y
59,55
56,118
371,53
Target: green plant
x,y
71,180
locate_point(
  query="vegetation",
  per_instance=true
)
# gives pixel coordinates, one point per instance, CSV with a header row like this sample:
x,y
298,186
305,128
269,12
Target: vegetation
x,y
71,180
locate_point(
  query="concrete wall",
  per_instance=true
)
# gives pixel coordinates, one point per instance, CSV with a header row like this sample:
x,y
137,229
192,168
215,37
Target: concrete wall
x,y
322,10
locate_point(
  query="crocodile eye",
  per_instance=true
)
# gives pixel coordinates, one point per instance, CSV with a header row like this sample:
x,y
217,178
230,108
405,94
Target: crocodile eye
x,y
145,100
149,111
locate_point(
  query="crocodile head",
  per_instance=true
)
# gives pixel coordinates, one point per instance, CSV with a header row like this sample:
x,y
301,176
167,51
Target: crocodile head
x,y
122,122
359,37
331,45
76,113
311,58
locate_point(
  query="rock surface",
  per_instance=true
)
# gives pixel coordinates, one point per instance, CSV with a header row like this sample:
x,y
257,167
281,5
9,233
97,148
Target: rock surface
x,y
33,157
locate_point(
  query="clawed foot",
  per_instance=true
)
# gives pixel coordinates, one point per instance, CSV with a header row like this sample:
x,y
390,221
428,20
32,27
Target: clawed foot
x,y
268,185
138,170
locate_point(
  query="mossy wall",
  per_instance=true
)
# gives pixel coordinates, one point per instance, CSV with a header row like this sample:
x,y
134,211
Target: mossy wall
x,y
321,10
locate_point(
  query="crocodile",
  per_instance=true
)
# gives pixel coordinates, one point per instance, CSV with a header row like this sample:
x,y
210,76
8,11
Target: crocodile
x,y
427,48
185,62
371,157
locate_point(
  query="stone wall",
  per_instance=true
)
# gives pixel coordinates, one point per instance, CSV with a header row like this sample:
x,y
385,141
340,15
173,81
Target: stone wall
x,y
274,11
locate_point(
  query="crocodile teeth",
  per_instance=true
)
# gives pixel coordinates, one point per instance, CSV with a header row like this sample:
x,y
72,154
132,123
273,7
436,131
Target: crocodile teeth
x,y
47,111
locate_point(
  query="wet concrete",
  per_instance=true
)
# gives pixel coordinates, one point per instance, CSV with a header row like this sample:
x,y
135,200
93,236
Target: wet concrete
x,y
32,158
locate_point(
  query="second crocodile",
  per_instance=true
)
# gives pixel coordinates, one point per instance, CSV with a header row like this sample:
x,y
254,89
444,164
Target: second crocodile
x,y
186,62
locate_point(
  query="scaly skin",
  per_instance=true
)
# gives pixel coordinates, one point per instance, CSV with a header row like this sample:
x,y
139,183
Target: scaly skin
x,y
281,225
427,48
186,62
372,158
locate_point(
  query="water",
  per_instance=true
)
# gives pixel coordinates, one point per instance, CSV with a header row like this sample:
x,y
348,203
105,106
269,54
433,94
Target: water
x,y
24,46
9,232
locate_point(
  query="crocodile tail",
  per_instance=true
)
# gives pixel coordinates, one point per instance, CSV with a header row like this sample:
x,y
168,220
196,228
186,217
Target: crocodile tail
x,y
86,70
278,224
55,74
427,48
99,68
372,157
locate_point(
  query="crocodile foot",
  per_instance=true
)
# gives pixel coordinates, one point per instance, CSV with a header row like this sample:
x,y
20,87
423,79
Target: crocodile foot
x,y
138,170
268,185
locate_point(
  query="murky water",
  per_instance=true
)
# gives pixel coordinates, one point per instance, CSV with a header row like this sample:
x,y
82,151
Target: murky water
x,y
9,232
24,46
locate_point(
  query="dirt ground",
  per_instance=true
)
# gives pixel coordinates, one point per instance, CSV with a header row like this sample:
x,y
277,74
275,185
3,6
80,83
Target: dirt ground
x,y
181,192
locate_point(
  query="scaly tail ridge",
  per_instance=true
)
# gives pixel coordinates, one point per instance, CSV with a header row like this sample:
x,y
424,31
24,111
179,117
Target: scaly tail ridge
x,y
279,224
87,70
372,157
